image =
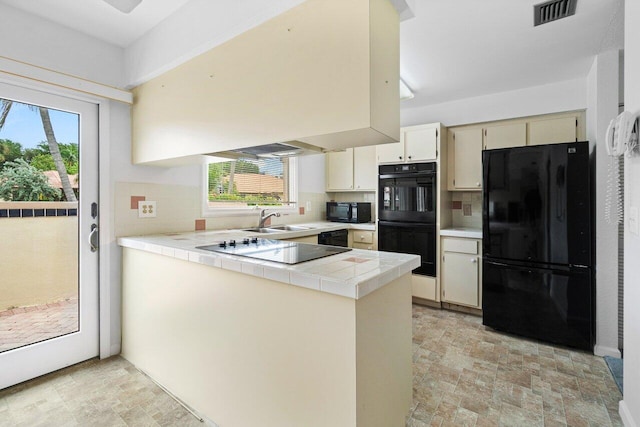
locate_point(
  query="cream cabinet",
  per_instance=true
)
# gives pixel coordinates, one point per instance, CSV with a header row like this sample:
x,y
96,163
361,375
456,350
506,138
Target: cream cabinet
x,y
352,170
554,130
504,136
465,159
461,271
417,144
424,287
362,239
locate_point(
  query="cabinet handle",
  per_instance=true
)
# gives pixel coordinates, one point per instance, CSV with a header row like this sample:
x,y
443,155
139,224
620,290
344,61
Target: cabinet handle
x,y
473,260
409,157
400,157
477,184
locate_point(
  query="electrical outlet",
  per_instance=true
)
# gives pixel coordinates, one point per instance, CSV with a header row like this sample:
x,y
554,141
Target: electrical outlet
x,y
308,207
146,209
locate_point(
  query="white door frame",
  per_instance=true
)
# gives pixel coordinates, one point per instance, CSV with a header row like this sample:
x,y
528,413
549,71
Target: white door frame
x,y
49,355
26,75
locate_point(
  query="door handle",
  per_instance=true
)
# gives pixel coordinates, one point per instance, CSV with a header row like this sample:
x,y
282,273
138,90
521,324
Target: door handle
x,y
94,238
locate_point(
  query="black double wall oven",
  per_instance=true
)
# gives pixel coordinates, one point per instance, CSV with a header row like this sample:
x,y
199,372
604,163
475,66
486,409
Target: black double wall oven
x,y
407,212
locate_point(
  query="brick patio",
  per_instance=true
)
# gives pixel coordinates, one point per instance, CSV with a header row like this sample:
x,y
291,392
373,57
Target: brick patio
x,y
27,325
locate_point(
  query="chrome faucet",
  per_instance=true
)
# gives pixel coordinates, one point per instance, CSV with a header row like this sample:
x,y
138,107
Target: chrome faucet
x,y
264,218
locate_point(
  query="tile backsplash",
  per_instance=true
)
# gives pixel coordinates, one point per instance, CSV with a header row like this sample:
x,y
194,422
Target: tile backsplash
x,y
466,209
178,208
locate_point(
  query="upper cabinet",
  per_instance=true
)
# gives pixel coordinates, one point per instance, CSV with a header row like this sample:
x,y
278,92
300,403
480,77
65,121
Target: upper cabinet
x,y
504,136
324,73
352,170
466,142
417,144
549,131
465,159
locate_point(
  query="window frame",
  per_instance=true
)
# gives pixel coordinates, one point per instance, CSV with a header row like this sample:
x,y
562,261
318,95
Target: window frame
x,y
209,212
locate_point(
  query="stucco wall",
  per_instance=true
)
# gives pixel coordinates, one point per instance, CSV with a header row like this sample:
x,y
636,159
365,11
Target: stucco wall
x,y
39,258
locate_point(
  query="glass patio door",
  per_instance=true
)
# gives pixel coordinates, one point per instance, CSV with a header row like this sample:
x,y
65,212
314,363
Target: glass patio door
x,y
48,233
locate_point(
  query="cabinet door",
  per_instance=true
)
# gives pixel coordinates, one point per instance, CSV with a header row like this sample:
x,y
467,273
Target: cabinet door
x,y
552,131
390,153
420,144
467,157
340,170
365,171
514,135
460,278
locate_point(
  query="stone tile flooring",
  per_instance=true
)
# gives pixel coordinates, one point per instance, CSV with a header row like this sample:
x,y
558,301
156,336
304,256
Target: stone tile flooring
x,y
464,375
469,375
27,325
95,393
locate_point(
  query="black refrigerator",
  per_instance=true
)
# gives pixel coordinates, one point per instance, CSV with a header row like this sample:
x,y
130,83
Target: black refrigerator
x,y
537,267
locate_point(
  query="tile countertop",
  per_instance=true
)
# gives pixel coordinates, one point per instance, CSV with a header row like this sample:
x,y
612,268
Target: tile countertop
x,y
351,274
468,232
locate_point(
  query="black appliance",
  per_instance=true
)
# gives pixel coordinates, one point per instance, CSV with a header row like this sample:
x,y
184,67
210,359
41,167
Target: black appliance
x,y
407,212
334,238
274,250
537,273
355,212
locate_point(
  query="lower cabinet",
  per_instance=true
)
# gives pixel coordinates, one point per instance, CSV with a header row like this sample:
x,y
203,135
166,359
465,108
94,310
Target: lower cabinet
x,y
363,239
461,271
424,287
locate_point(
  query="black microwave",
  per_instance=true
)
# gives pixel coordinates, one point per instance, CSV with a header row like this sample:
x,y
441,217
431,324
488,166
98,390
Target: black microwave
x,y
348,212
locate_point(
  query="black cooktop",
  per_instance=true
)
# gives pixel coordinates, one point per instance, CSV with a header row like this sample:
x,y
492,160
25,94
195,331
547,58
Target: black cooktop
x,y
274,250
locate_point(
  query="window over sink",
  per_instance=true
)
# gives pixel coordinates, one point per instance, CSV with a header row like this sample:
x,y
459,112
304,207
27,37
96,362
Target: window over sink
x,y
244,184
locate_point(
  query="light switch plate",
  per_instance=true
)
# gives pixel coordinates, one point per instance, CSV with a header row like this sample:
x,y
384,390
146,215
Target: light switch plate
x,y
146,209
633,220
308,207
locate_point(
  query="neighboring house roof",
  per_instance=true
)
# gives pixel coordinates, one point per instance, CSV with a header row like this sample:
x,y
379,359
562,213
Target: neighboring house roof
x,y
254,183
55,182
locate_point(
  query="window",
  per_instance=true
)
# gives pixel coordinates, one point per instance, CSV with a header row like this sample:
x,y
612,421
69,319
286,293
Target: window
x,y
246,183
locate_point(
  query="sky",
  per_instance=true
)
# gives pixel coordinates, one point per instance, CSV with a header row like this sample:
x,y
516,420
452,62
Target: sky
x,y
25,126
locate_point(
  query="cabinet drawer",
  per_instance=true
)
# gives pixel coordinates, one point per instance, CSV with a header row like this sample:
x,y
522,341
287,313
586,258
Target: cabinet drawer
x,y
465,246
365,246
362,236
424,287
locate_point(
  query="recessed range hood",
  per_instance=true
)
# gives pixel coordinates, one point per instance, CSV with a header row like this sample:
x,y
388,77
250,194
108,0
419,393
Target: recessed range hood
x,y
324,73
274,150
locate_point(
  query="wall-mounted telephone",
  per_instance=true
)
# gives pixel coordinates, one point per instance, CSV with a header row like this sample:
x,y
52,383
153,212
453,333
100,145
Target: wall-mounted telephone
x,y
620,137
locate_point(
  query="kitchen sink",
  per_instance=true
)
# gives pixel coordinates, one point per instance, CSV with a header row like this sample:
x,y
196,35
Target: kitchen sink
x,y
289,227
262,230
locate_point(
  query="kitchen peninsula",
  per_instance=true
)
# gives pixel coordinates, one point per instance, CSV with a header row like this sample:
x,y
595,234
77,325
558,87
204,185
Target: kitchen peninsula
x,y
247,342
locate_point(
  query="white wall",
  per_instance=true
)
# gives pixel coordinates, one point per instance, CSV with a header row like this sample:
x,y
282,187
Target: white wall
x,y
630,406
40,42
603,94
555,97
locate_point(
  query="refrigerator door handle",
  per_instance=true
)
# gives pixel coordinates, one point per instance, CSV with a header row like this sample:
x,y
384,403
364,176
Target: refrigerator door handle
x,y
530,268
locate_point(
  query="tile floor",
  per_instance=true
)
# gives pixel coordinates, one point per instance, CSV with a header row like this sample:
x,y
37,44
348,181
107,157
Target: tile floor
x,y
468,375
27,325
464,375
95,393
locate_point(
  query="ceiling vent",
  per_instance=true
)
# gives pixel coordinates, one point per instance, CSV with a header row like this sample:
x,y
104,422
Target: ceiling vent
x,y
553,10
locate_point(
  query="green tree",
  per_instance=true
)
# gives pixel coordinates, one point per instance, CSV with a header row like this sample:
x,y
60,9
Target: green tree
x,y
5,107
41,159
9,151
21,182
